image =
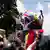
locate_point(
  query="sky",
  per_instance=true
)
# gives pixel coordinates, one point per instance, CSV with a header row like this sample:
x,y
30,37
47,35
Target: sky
x,y
32,4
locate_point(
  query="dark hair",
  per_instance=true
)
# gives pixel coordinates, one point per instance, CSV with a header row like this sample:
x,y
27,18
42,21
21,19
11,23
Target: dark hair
x,y
27,20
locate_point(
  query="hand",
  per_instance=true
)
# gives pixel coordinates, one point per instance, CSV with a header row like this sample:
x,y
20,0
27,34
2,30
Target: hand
x,y
37,39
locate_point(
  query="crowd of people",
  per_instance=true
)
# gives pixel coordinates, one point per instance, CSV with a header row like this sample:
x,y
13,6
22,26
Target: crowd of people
x,y
19,31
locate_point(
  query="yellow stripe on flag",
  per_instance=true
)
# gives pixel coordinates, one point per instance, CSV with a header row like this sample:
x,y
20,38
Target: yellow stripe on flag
x,y
26,37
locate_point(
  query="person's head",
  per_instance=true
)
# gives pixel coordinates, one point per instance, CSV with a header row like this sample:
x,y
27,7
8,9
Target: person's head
x,y
27,20
35,16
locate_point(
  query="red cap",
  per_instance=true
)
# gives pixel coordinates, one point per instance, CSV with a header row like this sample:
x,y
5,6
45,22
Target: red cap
x,y
41,30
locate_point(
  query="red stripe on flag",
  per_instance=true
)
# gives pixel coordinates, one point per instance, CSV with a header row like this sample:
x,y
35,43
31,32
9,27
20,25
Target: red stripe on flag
x,y
25,14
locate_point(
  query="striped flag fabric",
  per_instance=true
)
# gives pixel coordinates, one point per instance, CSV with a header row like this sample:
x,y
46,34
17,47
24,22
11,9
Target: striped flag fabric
x,y
25,14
